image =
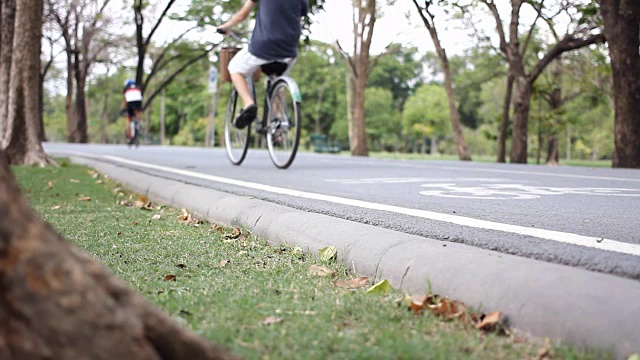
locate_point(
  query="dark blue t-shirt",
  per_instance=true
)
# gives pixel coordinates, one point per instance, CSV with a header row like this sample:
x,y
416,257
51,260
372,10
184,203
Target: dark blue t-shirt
x,y
278,28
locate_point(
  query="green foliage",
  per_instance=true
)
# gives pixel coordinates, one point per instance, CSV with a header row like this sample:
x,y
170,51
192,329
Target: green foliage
x,y
55,118
399,71
426,112
383,121
320,76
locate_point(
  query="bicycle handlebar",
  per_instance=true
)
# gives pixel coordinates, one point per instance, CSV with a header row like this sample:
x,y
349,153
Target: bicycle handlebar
x,y
231,33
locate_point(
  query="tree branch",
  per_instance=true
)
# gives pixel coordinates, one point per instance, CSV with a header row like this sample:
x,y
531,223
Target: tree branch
x,y
168,80
347,59
155,27
494,10
533,26
567,44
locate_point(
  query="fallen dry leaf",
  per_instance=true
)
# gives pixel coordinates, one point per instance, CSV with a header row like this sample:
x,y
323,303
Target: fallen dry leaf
x,y
170,277
271,320
49,185
318,270
186,218
417,303
353,283
449,309
156,217
489,319
217,228
543,352
56,207
223,263
84,198
234,234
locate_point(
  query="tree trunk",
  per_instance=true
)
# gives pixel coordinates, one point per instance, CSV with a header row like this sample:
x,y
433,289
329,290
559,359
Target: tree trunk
x,y
349,94
7,22
463,152
41,132
359,139
24,146
57,302
552,150
621,23
163,105
504,123
80,131
522,105
428,20
568,142
105,119
70,109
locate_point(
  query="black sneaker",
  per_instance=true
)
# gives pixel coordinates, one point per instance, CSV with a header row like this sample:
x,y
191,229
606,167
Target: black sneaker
x,y
246,116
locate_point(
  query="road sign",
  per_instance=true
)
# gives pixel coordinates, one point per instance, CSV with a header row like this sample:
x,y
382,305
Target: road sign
x,y
213,80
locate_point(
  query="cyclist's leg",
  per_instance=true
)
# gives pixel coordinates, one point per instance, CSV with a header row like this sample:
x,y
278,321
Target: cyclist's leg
x,y
276,106
244,64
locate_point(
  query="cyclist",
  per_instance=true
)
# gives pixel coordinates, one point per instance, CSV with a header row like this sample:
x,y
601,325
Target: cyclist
x,y
275,38
131,104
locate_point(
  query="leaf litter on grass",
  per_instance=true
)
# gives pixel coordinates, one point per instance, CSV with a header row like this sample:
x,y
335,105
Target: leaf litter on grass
x,y
355,287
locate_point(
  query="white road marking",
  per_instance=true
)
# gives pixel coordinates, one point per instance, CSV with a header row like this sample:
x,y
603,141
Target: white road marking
x,y
409,180
517,191
563,237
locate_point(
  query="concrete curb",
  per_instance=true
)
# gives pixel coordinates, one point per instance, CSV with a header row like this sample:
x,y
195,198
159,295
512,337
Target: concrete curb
x,y
542,299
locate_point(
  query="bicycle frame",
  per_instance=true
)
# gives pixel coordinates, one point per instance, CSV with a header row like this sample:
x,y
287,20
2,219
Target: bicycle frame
x,y
271,79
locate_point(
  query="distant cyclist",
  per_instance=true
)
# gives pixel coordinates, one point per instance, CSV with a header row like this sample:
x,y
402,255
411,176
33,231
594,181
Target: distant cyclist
x,y
132,104
275,38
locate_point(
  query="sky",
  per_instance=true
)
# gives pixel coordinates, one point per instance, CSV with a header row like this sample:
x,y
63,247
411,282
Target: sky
x,y
399,23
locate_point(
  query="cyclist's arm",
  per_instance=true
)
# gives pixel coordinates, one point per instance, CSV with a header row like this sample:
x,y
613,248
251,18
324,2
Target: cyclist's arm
x,y
240,16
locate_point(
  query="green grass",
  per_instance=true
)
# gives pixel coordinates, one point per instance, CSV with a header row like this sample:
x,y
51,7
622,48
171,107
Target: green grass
x,y
227,302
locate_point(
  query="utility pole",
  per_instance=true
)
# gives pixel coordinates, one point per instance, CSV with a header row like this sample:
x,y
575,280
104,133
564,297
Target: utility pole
x,y
210,137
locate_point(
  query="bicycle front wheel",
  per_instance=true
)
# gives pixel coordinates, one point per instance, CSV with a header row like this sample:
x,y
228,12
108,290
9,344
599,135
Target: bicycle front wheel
x,y
284,124
236,141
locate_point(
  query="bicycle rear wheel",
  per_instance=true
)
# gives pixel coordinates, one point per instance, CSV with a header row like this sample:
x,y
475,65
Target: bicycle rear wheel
x,y
236,141
284,124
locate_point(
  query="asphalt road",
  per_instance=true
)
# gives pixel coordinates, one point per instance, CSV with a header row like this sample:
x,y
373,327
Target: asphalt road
x,y
578,216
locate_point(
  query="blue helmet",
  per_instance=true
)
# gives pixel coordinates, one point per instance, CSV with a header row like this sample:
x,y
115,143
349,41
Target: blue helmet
x,y
129,83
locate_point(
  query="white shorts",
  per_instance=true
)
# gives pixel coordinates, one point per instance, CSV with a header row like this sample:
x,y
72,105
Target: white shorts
x,y
245,63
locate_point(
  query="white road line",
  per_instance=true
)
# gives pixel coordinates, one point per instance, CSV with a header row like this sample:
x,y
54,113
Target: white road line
x,y
504,171
563,237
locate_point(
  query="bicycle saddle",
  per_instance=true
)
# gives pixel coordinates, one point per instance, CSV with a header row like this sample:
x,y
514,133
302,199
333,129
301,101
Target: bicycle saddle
x,y
274,68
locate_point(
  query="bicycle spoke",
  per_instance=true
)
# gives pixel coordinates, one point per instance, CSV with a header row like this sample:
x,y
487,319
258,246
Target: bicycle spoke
x,y
284,126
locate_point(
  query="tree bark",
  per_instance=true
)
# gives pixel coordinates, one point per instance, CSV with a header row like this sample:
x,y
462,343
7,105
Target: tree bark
x,y
522,105
80,74
428,20
556,102
24,146
504,123
70,109
621,23
57,302
7,23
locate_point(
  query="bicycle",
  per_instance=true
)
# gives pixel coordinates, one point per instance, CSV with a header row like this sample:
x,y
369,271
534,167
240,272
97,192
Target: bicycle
x,y
134,131
280,123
